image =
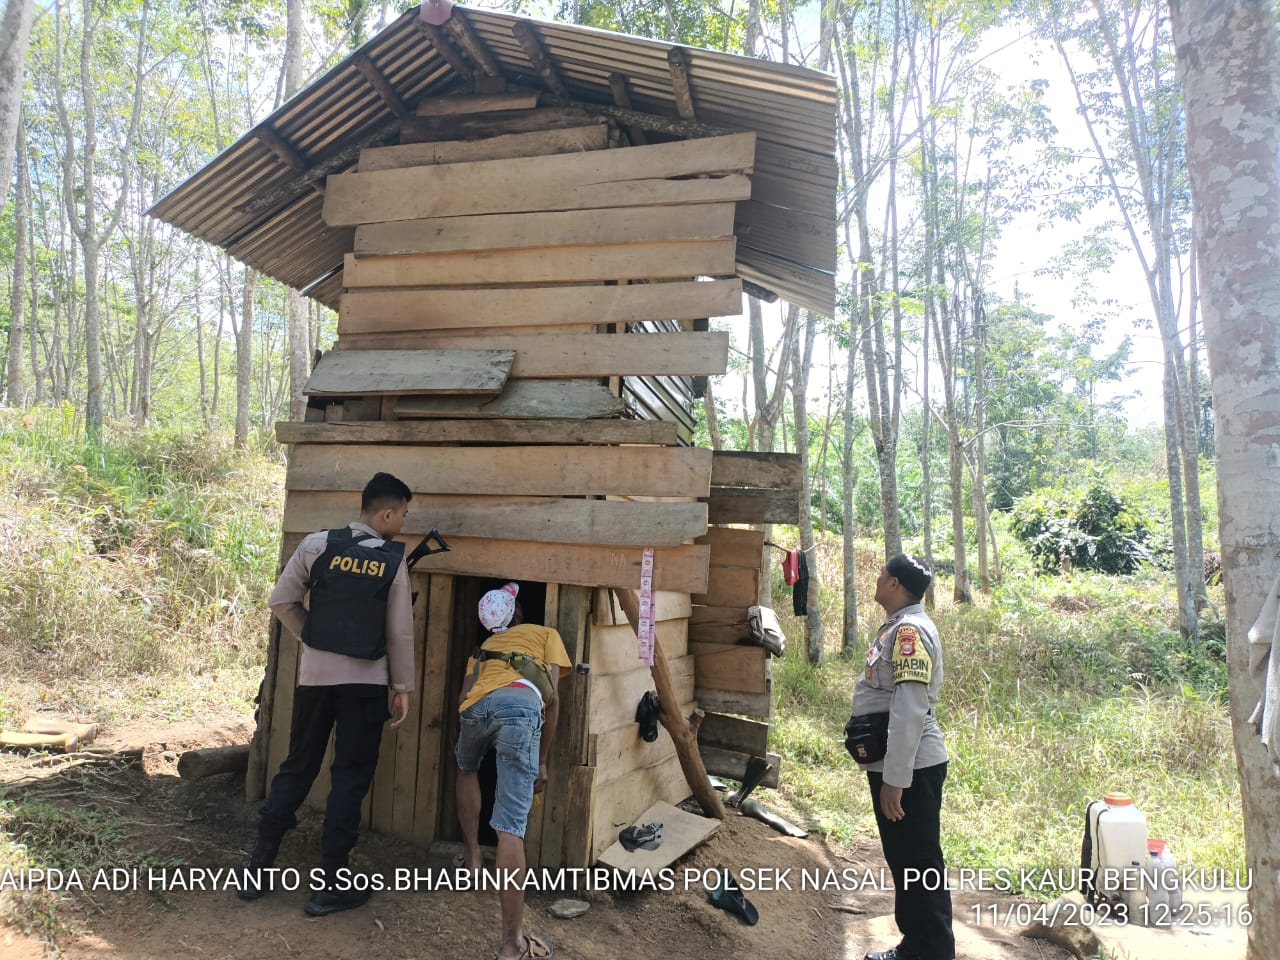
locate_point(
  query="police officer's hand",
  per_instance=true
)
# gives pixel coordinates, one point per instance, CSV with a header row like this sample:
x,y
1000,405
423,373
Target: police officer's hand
x,y
399,707
891,802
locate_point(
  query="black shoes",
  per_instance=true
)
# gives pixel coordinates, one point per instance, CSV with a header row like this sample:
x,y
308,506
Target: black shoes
x,y
890,954
331,900
341,892
256,873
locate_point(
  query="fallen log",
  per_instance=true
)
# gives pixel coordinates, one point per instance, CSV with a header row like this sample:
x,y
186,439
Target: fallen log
x,y
198,764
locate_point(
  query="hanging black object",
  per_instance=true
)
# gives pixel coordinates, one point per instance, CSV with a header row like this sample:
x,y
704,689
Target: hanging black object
x,y
800,589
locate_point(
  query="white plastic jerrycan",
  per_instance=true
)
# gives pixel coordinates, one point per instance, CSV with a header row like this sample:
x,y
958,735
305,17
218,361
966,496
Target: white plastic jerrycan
x,y
1120,832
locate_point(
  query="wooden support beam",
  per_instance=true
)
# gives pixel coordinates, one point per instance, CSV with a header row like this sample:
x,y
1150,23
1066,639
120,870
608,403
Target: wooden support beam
x,y
531,44
678,61
759,292
682,734
381,86
281,147
275,199
435,36
622,99
645,121
462,34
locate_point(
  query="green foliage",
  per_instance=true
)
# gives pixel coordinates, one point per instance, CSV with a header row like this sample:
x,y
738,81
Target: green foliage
x,y
143,559
1089,529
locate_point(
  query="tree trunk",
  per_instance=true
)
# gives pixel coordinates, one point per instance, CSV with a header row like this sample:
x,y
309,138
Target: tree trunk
x,y
15,32
849,480
713,424
299,329
1229,58
14,382
980,465
800,406
244,359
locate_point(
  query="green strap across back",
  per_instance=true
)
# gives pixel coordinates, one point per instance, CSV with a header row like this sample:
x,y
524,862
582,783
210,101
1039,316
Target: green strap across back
x,y
529,667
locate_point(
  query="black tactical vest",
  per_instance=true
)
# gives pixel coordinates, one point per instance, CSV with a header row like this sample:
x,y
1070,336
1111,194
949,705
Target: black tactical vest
x,y
349,586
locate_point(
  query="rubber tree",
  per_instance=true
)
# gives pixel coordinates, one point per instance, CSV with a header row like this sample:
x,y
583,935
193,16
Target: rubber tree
x,y
1229,62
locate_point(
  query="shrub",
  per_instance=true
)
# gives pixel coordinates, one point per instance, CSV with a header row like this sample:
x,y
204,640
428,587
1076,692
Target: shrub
x,y
1090,529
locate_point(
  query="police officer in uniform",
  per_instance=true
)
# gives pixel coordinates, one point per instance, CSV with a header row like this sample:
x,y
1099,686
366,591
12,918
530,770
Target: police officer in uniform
x,y
903,677
356,654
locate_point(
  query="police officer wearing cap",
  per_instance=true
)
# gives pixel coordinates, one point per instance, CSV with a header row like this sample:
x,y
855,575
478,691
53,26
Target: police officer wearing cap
x,y
902,680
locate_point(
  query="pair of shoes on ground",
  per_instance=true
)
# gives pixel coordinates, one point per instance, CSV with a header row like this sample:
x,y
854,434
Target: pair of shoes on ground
x,y
256,877
535,948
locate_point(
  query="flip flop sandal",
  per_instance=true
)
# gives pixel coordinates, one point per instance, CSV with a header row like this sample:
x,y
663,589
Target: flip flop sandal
x,y
647,711
644,836
728,897
538,949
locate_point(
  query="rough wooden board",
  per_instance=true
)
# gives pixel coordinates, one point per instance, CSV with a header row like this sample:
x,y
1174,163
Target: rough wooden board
x,y
565,181
422,372
359,203
739,668
523,432
610,522
737,468
758,505
730,763
568,355
401,310
531,399
614,698
614,648
582,263
722,635
579,824
535,144
702,615
681,832
621,802
508,471
732,547
734,733
468,103
729,701
404,790
731,586
668,605
572,563
695,221
432,723
617,752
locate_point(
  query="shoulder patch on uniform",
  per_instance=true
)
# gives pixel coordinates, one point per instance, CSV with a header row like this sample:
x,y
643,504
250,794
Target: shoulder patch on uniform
x,y
911,660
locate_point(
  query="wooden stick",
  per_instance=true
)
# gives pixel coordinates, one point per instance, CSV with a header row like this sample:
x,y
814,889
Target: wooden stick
x,y
678,61
622,98
635,118
682,735
538,58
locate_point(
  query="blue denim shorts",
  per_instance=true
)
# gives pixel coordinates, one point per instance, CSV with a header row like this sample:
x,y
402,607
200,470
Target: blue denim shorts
x,y
510,721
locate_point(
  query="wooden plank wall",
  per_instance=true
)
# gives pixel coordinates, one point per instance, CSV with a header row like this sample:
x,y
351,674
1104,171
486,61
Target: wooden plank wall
x,y
631,774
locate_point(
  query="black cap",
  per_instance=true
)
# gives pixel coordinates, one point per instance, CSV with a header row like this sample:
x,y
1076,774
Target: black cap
x,y
912,572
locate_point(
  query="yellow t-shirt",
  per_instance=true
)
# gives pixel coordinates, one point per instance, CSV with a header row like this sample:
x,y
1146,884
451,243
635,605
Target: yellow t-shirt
x,y
530,638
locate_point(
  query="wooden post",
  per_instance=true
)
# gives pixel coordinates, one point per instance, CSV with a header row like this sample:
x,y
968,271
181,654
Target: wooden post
x,y
682,735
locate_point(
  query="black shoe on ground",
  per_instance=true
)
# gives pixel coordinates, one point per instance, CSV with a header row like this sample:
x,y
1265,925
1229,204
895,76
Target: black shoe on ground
x,y
890,954
255,873
332,900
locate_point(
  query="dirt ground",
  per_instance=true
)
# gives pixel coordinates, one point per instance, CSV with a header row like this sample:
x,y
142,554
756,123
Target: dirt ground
x,y
208,823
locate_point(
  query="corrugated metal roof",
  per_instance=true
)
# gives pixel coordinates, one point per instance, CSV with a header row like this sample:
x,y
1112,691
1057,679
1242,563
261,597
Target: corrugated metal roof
x,y
786,232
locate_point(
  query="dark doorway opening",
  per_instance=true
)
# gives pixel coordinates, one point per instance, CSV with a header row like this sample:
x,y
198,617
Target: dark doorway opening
x,y
465,636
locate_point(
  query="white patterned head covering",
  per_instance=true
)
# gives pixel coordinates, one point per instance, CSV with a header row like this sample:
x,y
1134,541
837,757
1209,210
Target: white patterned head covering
x,y
497,607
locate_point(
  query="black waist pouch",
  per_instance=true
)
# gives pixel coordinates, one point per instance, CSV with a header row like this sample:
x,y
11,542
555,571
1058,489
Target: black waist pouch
x,y
866,736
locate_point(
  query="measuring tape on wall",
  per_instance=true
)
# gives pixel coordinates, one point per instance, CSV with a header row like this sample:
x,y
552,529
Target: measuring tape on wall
x,y
644,629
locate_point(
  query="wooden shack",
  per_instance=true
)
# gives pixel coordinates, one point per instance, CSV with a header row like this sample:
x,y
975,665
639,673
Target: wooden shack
x,y
525,228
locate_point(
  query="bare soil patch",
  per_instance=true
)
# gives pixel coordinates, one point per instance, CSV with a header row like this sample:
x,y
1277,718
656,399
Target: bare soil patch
x,y
208,824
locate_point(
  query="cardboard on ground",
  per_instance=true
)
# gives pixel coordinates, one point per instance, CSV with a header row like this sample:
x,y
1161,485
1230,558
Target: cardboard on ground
x,y
681,832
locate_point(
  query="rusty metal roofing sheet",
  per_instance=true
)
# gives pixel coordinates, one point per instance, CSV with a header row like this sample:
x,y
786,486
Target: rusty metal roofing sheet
x,y
786,232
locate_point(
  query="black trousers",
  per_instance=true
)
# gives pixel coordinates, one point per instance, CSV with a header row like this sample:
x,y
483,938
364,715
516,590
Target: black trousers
x,y
922,902
358,711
